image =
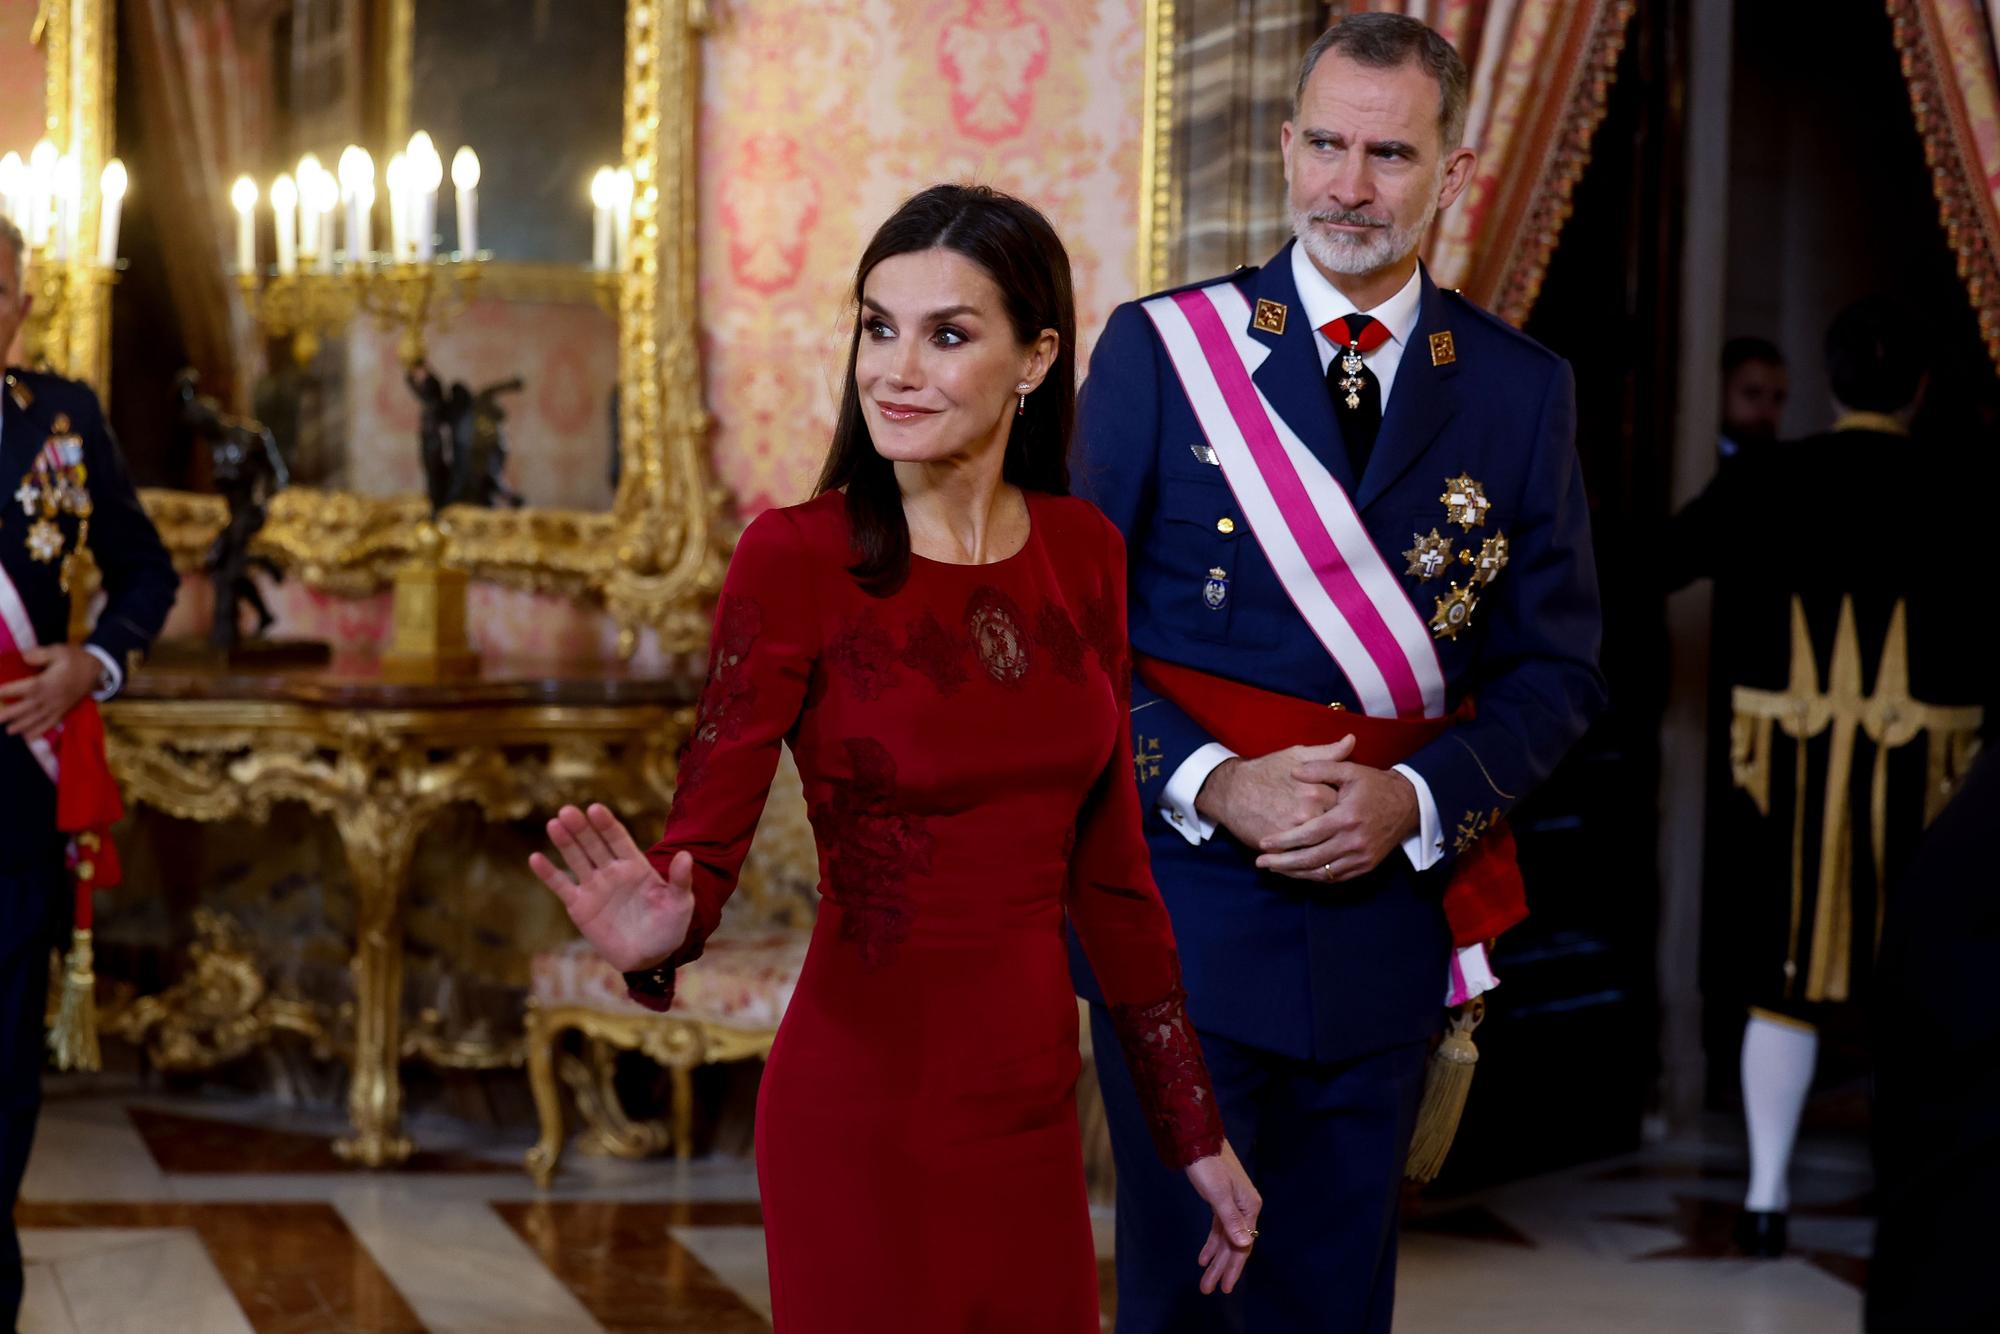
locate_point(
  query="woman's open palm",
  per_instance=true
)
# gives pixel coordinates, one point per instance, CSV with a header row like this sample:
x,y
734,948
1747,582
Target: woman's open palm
x,y
621,904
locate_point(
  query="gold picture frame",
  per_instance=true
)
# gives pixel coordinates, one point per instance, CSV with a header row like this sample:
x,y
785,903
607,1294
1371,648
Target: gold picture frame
x,y
656,557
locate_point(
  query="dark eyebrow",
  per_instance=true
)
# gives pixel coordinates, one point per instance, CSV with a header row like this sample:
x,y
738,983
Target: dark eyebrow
x,y
935,317
1374,146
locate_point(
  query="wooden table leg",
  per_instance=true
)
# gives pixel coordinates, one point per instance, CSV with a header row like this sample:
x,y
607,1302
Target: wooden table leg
x,y
379,840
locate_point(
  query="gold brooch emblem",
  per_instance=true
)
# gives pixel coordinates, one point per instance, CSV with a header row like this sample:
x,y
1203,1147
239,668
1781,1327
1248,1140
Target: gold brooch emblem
x,y
1454,611
1465,501
1443,350
1472,827
1429,556
45,541
1270,317
1491,560
1146,759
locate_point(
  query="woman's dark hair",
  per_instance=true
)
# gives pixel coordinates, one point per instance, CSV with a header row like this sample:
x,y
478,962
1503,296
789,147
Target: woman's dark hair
x,y
1021,252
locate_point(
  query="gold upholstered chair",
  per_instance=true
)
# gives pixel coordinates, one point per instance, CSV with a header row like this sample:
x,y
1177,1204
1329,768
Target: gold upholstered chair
x,y
726,1005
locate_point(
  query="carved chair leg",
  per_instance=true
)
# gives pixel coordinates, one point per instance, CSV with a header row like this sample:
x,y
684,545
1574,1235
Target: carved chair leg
x,y
683,1112
542,1036
610,1131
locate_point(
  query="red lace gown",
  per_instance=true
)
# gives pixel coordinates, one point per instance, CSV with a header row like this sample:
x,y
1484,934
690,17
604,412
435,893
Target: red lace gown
x,y
967,759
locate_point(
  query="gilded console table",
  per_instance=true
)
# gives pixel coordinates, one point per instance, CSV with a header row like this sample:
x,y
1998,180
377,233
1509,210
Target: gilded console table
x,y
380,760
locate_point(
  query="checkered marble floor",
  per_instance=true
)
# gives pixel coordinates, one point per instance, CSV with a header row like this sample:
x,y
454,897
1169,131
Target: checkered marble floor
x,y
147,1213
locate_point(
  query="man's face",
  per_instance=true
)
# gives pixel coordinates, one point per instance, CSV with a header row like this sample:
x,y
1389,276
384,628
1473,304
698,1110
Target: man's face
x,y
1365,166
1753,402
14,301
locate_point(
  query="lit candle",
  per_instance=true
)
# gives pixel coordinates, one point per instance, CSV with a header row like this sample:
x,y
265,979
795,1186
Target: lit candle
x,y
41,193
398,179
69,197
307,179
323,201
621,231
357,188
111,189
244,195
14,189
465,184
285,209
426,175
603,188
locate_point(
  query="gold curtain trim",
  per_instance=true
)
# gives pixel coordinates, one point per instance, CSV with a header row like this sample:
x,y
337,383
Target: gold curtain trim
x,y
1519,280
1954,170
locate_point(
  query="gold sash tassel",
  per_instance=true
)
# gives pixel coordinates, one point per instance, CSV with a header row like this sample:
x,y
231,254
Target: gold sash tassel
x,y
1446,1084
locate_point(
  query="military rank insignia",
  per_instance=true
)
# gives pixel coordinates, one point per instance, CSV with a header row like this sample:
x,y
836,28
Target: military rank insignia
x,y
1216,591
55,486
1146,757
1270,317
1429,557
1443,350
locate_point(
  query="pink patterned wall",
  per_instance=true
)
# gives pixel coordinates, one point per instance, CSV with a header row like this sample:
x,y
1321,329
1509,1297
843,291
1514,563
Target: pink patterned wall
x,y
22,78
820,116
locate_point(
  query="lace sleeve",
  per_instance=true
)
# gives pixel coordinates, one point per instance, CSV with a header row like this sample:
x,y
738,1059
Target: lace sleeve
x,y
1165,1057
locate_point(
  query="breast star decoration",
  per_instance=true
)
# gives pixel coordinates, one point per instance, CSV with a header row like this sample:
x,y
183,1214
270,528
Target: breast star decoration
x,y
1429,557
1492,559
1465,502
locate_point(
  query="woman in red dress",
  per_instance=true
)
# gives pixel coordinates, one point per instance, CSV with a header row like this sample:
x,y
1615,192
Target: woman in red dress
x,y
940,638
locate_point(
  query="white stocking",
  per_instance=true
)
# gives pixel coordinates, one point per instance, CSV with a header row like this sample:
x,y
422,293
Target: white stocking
x,y
1778,1057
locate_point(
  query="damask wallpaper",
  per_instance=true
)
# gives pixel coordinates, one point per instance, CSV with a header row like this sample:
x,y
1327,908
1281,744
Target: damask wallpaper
x,y
819,117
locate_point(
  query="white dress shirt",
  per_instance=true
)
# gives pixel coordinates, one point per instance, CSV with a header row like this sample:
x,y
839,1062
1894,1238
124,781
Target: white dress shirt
x,y
1323,303
112,678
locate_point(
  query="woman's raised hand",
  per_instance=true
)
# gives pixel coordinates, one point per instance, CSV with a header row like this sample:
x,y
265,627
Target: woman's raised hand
x,y
618,901
1221,1181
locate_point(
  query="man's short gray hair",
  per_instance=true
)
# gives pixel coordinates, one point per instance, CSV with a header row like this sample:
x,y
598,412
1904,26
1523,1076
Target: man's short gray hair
x,y
1387,41
11,238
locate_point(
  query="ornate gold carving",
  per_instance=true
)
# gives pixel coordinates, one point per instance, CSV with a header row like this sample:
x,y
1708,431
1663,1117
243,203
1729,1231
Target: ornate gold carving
x,y
1157,196
74,301
679,1044
381,775
1891,719
219,1010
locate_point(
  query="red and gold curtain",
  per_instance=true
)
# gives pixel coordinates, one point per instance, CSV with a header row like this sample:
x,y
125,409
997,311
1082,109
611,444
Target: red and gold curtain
x,y
1951,60
1540,72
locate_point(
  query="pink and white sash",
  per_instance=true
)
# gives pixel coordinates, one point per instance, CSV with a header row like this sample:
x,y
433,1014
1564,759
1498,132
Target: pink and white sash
x,y
1302,517
17,633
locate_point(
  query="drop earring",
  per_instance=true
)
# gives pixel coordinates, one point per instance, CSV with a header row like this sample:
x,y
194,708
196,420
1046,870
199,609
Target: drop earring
x,y
1021,410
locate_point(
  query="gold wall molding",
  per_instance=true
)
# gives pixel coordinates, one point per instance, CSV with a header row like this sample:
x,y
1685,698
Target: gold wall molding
x,y
656,558
1156,148
78,40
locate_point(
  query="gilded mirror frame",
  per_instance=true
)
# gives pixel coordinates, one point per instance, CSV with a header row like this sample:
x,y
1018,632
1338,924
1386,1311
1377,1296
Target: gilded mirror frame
x,y
656,558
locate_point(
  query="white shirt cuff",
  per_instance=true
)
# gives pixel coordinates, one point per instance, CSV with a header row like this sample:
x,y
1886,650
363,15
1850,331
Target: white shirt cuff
x,y
1471,975
111,669
1426,846
1178,797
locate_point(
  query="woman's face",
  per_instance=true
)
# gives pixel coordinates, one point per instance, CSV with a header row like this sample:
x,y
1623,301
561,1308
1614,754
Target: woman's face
x,y
937,367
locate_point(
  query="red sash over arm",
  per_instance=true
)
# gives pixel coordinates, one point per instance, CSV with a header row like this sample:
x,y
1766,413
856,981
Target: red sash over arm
x,y
1484,896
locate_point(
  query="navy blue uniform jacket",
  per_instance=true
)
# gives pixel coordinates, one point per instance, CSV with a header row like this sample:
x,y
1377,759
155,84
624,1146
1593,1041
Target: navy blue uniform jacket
x,y
1315,971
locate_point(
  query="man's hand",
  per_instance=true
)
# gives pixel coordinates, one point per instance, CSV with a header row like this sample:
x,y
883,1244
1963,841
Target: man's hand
x,y
1374,811
34,704
1257,799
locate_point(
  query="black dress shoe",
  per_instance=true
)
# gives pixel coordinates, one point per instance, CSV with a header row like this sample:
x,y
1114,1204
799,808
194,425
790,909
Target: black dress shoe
x,y
1760,1234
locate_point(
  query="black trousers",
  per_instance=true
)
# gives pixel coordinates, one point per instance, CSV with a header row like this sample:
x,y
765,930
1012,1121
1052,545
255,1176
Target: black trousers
x,y
31,922
1325,1144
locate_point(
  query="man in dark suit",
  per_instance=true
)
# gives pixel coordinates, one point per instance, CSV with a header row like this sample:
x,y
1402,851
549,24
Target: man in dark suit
x,y
64,488
1835,555
1339,485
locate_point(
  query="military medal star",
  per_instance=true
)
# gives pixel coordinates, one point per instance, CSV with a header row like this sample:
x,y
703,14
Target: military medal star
x,y
45,541
1429,556
1454,611
1465,501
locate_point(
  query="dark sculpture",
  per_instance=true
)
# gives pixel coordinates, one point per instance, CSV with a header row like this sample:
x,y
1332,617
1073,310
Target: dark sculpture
x,y
463,448
248,470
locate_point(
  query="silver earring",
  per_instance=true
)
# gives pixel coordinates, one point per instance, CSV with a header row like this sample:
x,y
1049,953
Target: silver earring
x,y
1022,409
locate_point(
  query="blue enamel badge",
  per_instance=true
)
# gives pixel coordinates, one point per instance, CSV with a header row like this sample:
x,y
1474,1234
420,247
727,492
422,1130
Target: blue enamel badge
x,y
1216,591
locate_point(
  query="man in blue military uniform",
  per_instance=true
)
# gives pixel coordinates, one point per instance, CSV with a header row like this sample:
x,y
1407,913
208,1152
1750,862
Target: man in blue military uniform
x,y
1338,485
63,488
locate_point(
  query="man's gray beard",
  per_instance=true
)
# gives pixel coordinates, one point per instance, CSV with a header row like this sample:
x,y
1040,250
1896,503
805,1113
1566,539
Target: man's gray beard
x,y
1378,250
